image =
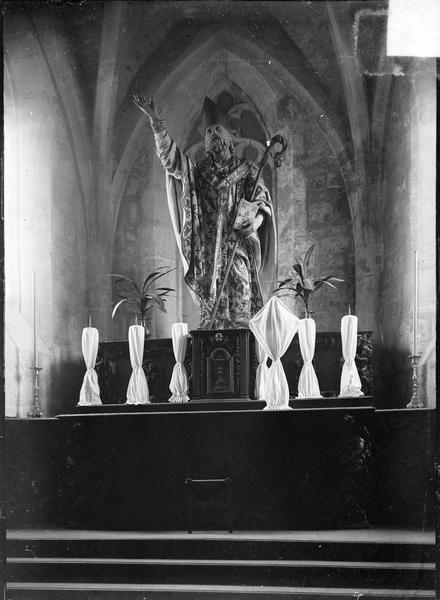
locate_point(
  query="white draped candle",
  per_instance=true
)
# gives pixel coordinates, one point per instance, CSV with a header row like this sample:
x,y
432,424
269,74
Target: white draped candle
x,y
308,385
274,327
137,391
179,378
90,393
350,380
261,373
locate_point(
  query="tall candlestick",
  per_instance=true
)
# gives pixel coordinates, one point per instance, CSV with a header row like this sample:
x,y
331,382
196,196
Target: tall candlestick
x,y
415,304
35,411
35,324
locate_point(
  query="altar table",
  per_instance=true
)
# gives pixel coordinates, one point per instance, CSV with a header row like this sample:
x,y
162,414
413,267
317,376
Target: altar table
x,y
286,467
303,468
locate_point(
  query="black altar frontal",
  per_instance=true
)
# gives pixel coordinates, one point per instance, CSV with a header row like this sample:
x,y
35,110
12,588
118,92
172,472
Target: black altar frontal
x,y
300,468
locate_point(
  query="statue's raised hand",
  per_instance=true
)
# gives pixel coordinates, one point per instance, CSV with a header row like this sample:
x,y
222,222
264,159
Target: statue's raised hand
x,y
149,108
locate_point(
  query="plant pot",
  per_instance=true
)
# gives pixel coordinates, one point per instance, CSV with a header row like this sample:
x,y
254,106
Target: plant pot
x,y
146,324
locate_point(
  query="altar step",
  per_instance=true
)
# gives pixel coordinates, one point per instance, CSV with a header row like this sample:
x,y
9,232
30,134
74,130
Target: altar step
x,y
85,565
79,591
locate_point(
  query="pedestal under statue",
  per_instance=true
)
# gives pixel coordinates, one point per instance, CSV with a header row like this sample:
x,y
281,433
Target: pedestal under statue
x,y
222,362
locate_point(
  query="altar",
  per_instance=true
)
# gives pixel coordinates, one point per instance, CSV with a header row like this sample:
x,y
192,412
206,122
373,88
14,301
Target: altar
x,y
304,468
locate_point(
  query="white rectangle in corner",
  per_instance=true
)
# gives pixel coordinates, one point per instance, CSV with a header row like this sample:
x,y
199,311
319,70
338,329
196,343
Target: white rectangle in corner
x,y
413,28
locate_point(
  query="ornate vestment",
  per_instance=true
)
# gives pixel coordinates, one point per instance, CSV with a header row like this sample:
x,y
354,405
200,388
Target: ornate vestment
x,y
203,200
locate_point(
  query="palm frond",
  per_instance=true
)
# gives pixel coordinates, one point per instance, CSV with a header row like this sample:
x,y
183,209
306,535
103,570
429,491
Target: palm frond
x,y
298,268
153,277
319,282
126,278
329,284
157,301
117,305
284,282
307,256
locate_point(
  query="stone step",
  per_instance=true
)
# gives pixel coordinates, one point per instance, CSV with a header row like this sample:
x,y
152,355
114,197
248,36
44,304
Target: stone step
x,y
369,545
219,572
130,591
220,549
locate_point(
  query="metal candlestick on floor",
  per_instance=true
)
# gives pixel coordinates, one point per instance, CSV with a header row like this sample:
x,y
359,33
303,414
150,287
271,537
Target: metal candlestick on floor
x,y
415,401
35,411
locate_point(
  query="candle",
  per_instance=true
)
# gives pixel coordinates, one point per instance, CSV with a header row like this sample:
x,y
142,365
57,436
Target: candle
x,y
35,324
349,326
90,321
350,381
415,303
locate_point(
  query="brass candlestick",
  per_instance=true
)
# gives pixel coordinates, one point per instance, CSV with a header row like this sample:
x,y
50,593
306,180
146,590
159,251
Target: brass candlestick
x,y
415,401
35,411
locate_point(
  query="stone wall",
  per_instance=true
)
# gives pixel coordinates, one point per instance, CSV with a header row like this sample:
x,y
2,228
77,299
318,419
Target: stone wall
x,y
314,209
409,224
45,233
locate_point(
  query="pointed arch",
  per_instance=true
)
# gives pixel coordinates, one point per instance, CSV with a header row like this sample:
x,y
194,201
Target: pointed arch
x,y
262,75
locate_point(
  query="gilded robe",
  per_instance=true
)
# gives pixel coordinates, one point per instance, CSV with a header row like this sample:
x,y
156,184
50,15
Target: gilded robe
x,y
203,200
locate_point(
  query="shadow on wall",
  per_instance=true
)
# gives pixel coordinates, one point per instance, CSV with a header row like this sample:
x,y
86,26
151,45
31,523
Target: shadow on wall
x,y
65,378
392,382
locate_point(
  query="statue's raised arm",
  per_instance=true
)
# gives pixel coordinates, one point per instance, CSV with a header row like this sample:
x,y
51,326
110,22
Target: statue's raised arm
x,y
168,152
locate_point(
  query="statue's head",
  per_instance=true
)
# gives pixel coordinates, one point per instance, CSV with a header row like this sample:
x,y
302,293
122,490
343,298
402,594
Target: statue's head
x,y
218,142
218,139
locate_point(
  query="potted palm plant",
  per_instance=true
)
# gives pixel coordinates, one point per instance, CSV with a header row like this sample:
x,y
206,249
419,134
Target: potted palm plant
x,y
301,284
143,298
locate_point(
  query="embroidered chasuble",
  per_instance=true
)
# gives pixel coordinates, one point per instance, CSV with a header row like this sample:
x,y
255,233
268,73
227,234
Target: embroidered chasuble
x,y
203,200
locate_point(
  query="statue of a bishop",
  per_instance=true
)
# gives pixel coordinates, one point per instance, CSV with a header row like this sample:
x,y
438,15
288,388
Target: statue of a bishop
x,y
203,200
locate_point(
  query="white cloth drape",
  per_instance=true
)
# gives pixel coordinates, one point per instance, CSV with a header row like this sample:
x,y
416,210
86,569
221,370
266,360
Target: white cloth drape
x,y
261,373
274,327
308,386
179,378
350,380
89,393
137,391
